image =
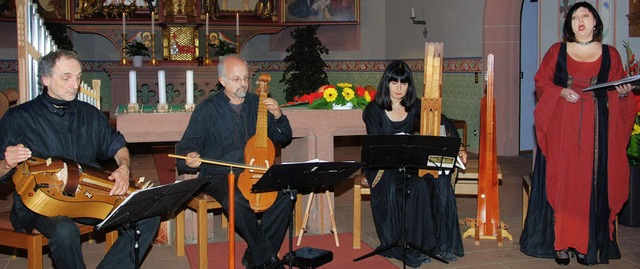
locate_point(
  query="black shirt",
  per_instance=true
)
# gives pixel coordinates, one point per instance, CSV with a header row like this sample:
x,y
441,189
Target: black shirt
x,y
80,132
217,132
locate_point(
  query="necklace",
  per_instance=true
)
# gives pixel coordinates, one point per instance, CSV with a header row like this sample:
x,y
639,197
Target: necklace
x,y
585,43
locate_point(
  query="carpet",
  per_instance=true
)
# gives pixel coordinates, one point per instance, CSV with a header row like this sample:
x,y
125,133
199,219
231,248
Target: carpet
x,y
165,165
343,255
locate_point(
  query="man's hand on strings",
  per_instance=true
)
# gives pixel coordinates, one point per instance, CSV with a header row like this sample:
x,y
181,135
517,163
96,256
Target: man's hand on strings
x,y
121,180
14,155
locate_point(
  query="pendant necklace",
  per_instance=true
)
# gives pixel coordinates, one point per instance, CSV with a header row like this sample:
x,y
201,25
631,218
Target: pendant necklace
x,y
584,43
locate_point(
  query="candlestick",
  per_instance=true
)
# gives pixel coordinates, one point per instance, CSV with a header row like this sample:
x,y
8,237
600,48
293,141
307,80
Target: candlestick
x,y
153,23
207,60
189,93
237,24
124,23
207,28
153,50
123,60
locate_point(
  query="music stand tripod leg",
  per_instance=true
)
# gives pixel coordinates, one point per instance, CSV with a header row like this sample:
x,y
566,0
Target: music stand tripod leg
x,y
333,220
303,227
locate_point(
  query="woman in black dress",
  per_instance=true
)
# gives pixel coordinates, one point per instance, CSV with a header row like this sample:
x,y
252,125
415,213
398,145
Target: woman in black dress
x,y
396,110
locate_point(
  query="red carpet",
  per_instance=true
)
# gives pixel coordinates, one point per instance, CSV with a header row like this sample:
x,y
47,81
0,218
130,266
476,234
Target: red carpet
x,y
342,256
165,165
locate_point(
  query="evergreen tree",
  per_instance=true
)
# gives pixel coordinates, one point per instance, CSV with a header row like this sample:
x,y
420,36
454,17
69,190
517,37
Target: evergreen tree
x,y
305,67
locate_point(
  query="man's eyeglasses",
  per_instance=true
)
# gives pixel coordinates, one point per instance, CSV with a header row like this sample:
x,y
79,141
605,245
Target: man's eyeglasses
x,y
238,80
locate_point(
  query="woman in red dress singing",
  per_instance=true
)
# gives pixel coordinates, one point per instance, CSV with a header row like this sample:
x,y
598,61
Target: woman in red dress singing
x,y
582,139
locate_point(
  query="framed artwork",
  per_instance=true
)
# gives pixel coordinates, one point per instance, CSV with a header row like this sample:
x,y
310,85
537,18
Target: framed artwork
x,y
53,9
7,9
320,11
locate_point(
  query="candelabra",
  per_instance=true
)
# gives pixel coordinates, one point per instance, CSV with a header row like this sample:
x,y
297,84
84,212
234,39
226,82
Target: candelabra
x,y
153,49
123,61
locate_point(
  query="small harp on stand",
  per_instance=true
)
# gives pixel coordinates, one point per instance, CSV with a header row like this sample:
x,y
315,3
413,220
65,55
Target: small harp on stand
x,y
488,224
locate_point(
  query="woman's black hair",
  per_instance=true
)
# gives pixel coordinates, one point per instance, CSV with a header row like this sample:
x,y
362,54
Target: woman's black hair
x,y
398,71
567,31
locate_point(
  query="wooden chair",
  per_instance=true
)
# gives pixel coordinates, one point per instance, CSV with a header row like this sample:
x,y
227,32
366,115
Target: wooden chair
x,y
4,104
360,187
466,183
32,242
12,96
526,192
201,204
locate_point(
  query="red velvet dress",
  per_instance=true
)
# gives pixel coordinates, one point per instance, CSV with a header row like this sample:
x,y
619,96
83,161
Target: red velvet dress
x,y
567,136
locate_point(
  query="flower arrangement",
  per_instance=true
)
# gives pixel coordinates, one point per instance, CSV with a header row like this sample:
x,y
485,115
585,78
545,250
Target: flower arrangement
x,y
632,66
340,95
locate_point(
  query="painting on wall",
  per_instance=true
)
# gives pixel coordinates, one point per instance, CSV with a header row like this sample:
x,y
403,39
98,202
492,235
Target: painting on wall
x,y
7,9
53,9
320,11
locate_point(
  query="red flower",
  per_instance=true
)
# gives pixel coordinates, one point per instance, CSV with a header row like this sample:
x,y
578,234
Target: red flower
x,y
360,91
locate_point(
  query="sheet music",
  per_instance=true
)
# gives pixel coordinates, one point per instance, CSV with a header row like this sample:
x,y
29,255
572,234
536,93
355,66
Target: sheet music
x,y
125,203
309,161
635,80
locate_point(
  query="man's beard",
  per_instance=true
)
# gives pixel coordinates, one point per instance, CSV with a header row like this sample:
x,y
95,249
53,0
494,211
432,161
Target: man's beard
x,y
241,92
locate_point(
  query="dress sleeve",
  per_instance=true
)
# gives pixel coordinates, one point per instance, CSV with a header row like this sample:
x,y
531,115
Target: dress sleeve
x,y
373,119
548,95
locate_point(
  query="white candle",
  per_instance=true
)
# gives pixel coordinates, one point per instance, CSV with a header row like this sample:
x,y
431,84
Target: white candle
x,y
237,24
207,27
133,87
189,87
162,92
153,23
123,23
413,13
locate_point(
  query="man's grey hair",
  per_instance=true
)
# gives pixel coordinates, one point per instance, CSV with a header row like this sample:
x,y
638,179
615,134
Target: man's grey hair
x,y
45,66
221,63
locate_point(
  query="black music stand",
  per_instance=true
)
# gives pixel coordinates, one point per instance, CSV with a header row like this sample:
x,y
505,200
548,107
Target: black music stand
x,y
290,177
402,152
155,201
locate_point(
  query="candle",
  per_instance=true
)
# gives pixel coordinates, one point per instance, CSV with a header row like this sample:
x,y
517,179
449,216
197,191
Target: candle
x,y
153,23
123,23
189,87
207,28
132,87
162,93
413,13
237,24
